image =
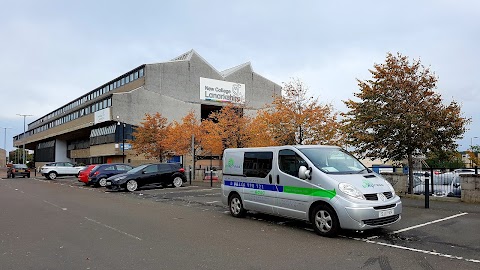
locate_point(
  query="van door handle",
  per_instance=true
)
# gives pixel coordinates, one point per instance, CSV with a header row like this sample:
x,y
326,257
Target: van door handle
x,y
270,178
278,179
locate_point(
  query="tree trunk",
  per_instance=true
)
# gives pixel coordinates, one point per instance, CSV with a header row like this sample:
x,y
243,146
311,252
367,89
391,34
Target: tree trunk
x,y
410,173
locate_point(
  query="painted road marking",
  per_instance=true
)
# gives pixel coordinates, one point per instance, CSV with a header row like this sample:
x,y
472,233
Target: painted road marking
x,y
212,202
428,223
417,250
64,209
114,229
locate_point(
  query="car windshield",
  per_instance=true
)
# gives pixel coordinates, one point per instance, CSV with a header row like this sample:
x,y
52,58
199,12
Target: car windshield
x,y
334,160
137,169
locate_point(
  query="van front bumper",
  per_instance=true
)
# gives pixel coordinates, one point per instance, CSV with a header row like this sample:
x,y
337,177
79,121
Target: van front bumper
x,y
364,217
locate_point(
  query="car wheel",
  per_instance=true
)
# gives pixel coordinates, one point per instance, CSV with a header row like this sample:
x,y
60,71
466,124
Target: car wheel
x,y
236,206
325,221
102,182
132,185
177,181
52,175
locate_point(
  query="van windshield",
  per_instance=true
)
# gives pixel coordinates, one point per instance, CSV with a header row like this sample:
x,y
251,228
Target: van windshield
x,y
334,160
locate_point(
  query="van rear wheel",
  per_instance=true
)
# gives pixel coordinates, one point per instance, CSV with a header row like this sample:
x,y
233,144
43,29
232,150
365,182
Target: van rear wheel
x,y
236,206
325,221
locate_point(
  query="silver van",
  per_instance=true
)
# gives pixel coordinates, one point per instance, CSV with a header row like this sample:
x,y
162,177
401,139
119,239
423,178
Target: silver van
x,y
324,185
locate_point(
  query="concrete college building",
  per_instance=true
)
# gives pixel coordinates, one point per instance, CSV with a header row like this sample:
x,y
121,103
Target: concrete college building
x,y
93,128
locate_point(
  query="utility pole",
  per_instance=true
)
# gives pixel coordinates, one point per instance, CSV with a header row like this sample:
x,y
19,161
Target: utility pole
x,y
23,137
5,143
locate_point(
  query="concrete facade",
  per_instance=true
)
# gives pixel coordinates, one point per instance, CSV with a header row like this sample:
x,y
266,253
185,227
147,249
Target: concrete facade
x,y
3,157
171,88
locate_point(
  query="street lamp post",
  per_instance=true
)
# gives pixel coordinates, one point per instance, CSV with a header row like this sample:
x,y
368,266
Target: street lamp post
x,y
23,137
471,149
123,138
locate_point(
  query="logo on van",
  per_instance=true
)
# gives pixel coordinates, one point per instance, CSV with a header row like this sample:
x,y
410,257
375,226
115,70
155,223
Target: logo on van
x,y
231,164
367,184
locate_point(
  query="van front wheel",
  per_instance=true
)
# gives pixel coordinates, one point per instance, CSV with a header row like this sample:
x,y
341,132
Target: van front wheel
x,y
325,221
236,206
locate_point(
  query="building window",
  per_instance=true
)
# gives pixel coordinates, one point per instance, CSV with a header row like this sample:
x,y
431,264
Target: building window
x,y
141,72
127,79
131,77
135,76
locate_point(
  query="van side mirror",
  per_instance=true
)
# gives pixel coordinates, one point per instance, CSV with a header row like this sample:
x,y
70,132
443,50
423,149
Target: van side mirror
x,y
304,173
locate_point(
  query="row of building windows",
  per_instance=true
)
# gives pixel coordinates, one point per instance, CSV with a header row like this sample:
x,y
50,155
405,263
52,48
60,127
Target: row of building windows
x,y
102,104
125,79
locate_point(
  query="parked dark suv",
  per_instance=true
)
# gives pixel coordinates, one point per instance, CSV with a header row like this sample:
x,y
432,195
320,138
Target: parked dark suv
x,y
99,174
163,174
17,170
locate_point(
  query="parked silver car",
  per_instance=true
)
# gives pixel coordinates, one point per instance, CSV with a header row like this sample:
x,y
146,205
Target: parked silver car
x,y
444,185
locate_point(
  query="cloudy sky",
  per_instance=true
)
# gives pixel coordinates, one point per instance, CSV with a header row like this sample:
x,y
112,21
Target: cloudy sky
x,y
51,52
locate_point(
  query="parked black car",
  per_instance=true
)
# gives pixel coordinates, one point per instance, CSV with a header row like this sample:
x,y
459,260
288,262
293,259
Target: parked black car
x,y
17,170
99,174
160,174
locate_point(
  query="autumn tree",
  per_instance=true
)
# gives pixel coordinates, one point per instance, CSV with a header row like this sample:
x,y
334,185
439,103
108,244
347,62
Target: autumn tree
x,y
295,118
226,128
399,115
150,137
444,159
473,155
179,137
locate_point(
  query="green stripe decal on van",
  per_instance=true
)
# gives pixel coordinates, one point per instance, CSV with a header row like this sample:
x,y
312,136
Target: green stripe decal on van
x,y
316,192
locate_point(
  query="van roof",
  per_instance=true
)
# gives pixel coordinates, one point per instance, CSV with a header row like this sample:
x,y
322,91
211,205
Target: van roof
x,y
282,146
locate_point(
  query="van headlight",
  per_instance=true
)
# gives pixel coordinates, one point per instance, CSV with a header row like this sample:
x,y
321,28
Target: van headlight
x,y
351,191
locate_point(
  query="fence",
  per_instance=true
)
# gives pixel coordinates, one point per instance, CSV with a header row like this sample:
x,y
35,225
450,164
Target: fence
x,y
439,182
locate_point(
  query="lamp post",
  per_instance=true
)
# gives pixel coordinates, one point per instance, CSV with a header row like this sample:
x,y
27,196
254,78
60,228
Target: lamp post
x,y
23,137
123,138
471,149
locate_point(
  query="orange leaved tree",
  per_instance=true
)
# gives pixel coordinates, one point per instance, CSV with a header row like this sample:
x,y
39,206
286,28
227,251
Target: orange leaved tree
x,y
399,115
226,128
179,137
150,137
294,118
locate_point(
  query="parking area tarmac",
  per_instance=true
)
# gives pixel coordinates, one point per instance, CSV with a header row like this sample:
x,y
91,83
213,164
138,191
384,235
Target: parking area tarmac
x,y
446,229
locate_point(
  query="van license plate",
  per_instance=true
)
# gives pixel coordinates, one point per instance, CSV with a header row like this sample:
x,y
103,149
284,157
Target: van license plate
x,y
385,213
109,183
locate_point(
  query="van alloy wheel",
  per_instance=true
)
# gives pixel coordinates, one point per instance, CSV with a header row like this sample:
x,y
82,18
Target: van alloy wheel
x,y
132,185
236,206
177,181
325,221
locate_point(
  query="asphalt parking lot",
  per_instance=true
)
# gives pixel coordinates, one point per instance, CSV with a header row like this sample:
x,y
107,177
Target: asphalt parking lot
x,y
447,229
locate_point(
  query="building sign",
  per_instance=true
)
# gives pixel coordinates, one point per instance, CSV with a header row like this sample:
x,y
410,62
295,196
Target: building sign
x,y
103,115
222,91
123,146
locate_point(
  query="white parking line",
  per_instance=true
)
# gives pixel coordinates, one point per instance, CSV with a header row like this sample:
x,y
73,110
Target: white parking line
x,y
112,228
428,223
63,208
212,202
417,250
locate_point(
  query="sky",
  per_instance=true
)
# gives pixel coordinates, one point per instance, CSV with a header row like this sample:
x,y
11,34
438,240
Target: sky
x,y
52,52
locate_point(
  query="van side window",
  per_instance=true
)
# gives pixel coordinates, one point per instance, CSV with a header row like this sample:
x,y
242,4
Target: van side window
x,y
289,162
257,164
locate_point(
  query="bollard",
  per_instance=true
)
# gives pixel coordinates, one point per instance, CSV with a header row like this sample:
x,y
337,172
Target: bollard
x,y
190,174
426,191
